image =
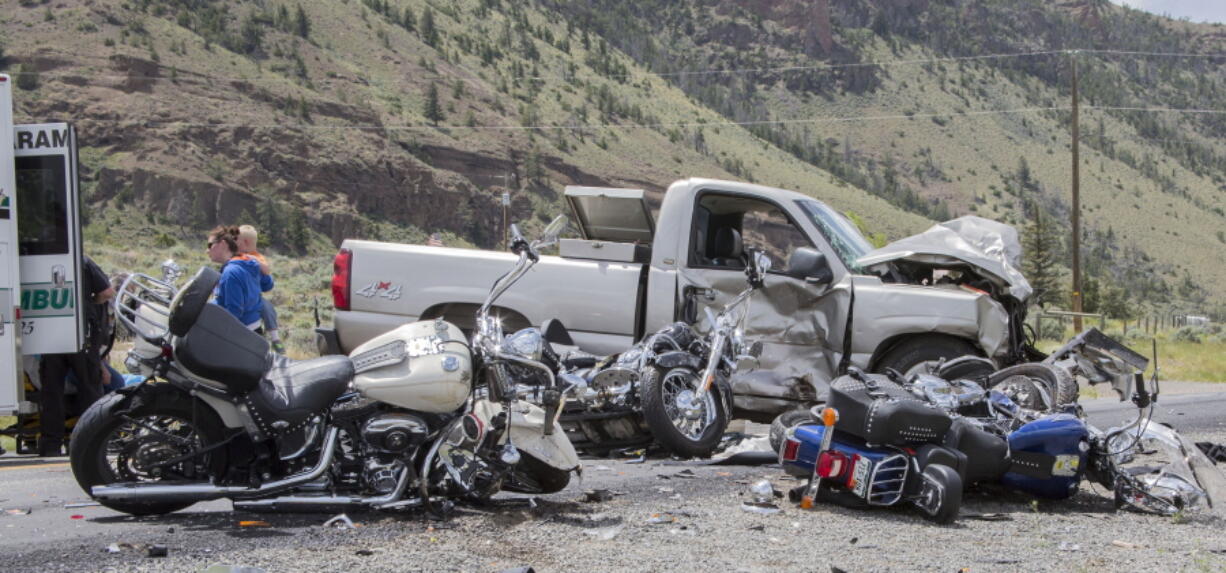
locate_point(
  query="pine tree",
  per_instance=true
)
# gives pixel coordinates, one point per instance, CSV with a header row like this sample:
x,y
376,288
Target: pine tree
x,y
429,34
302,23
431,108
1041,255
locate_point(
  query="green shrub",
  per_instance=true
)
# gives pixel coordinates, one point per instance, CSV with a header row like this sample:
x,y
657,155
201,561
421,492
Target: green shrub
x,y
27,77
1193,334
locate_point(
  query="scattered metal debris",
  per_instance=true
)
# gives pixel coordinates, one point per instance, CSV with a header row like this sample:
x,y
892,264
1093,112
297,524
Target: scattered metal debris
x,y
82,504
112,548
762,491
254,523
341,521
364,552
1067,546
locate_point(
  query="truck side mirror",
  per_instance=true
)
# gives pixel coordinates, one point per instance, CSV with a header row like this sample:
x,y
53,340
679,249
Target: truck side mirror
x,y
810,265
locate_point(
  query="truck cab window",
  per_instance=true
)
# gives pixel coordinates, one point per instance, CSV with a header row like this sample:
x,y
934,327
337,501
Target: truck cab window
x,y
725,226
42,213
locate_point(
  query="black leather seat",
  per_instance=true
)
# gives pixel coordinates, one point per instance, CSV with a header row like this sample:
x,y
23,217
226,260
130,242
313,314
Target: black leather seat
x,y
218,347
296,389
728,250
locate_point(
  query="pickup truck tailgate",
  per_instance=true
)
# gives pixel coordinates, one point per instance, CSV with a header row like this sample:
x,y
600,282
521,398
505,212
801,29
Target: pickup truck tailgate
x,y
596,300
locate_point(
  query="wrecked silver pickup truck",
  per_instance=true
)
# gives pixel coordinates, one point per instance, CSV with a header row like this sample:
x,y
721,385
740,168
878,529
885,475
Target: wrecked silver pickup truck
x,y
950,291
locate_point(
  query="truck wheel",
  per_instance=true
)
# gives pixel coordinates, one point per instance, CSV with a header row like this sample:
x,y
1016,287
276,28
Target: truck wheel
x,y
783,422
686,428
108,449
940,495
918,354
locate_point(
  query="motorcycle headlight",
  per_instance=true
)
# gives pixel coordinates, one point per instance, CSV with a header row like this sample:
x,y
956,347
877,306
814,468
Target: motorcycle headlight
x,y
526,343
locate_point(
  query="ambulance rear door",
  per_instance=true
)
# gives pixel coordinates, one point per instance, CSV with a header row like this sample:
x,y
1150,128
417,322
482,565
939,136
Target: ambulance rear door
x,y
49,238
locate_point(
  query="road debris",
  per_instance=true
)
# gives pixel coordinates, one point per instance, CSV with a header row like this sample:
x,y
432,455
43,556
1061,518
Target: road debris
x,y
113,548
1124,544
82,504
762,491
604,533
986,516
17,511
660,518
1067,546
158,551
597,495
221,568
75,516
763,508
254,523
341,521
364,552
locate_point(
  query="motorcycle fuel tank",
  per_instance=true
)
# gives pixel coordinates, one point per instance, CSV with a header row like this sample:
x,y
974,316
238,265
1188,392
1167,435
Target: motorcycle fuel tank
x,y
423,366
1049,456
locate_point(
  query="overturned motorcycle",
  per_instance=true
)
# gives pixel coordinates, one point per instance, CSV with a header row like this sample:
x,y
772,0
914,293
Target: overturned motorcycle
x,y
923,438
672,387
415,414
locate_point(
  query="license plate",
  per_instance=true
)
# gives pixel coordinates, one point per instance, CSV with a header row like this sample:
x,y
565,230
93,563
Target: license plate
x,y
860,475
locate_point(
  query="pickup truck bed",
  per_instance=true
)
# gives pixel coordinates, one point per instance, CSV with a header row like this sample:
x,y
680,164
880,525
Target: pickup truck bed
x,y
594,299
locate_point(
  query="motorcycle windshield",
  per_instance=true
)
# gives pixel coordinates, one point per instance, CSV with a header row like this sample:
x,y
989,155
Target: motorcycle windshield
x,y
1169,473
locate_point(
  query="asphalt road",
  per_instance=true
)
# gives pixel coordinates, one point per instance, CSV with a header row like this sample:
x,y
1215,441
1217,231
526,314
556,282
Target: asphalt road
x,y
54,535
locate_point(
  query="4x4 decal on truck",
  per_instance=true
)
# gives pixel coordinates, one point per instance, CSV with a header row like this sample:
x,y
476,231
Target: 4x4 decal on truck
x,y
381,288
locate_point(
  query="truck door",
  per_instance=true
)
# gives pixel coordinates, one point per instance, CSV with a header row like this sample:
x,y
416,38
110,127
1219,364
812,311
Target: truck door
x,y
49,238
798,324
9,283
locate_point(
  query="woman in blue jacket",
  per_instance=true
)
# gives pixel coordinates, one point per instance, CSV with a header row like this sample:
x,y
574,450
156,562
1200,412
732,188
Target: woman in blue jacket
x,y
239,290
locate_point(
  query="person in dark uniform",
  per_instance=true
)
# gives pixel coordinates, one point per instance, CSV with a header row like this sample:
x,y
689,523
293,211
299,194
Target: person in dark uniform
x,y
95,292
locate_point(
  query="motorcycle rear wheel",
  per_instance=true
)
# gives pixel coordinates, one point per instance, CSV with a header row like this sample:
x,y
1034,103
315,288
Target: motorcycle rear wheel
x,y
108,449
671,427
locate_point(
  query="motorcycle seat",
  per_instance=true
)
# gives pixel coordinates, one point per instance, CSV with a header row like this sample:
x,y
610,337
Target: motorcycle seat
x,y
218,347
294,390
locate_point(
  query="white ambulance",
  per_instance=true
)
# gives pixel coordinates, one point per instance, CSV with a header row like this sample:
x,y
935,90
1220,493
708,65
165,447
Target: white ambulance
x,y
40,249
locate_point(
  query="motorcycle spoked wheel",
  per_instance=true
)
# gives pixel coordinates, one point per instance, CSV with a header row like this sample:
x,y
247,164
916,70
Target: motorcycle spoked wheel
x,y
1026,384
689,432
107,449
940,495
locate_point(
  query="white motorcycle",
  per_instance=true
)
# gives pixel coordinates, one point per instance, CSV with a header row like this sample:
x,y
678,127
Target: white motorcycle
x,y
397,423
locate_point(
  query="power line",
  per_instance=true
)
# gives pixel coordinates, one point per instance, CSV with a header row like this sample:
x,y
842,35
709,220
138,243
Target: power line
x,y
582,127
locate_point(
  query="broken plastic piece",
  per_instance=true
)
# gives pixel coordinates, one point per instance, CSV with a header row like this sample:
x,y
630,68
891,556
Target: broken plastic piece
x,y
341,521
762,491
660,518
604,533
112,548
82,504
19,511
763,508
254,523
158,551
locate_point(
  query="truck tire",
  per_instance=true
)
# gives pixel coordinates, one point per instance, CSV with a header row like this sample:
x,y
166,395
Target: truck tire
x,y
910,356
784,422
100,433
661,390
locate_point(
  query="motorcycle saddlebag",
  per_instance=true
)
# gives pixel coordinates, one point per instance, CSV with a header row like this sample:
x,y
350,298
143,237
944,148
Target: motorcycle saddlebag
x,y
875,409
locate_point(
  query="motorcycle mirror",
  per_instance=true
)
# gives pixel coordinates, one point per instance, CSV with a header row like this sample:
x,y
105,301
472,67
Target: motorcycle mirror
x,y
555,228
171,271
746,363
762,261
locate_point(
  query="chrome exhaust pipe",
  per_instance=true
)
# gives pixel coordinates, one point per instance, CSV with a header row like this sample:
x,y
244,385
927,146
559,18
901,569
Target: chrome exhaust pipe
x,y
332,502
195,492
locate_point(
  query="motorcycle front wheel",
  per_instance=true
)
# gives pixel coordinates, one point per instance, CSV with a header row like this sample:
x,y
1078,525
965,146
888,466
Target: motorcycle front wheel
x,y
111,446
687,427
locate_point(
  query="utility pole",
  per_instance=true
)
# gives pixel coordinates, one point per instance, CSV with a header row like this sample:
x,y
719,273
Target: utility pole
x,y
1076,206
505,200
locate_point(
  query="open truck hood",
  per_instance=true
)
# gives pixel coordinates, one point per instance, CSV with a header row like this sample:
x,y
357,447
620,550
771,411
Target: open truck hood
x,y
991,248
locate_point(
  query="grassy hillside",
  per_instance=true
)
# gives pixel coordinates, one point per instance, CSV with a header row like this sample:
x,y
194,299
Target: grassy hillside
x,y
393,119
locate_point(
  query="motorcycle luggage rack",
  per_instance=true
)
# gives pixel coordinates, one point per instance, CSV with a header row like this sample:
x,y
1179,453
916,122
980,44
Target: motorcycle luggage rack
x,y
143,306
889,477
